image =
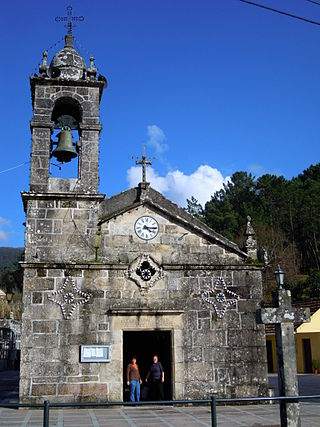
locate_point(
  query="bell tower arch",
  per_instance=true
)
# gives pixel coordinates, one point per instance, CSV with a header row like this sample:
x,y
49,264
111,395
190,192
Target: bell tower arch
x,y
66,97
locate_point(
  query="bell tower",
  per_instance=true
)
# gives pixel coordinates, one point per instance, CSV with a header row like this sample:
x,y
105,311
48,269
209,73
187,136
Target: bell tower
x,y
61,214
65,128
66,98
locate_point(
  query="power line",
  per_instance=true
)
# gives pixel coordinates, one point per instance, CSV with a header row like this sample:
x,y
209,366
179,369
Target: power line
x,y
15,167
314,2
280,12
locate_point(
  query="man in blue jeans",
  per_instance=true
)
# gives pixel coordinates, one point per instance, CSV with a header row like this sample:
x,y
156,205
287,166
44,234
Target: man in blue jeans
x,y
134,380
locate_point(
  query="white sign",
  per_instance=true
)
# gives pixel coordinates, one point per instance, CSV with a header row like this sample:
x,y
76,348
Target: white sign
x,y
95,353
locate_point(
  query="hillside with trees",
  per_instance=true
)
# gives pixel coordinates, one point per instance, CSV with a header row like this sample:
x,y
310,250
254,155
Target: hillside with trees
x,y
9,256
11,278
285,214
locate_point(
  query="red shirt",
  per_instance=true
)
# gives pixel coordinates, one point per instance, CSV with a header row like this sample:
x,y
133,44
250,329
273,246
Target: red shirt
x,y
133,372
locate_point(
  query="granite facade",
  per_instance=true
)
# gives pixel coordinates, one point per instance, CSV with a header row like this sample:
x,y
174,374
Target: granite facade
x,y
84,285
223,355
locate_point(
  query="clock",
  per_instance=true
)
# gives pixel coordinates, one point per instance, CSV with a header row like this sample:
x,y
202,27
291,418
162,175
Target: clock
x,y
146,227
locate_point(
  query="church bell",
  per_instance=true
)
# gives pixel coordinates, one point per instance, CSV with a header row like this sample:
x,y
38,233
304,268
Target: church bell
x,y
65,150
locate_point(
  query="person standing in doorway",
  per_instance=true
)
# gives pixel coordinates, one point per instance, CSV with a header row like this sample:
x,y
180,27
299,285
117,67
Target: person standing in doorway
x,y
155,377
134,380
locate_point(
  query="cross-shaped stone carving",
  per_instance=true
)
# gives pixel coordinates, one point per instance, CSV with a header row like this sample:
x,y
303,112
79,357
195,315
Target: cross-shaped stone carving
x,y
283,317
69,297
144,162
69,19
218,296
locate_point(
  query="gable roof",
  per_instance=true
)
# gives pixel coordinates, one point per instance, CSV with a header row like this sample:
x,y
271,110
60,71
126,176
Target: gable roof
x,y
146,195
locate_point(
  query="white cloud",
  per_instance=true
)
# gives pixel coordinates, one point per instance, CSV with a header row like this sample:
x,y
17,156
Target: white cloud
x,y
3,221
156,139
3,235
158,182
178,187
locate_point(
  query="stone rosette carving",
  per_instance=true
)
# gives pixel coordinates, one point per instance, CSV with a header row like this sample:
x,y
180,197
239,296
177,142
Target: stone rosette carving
x,y
69,297
145,272
219,297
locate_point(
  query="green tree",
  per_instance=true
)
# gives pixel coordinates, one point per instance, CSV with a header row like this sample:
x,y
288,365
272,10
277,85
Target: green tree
x,y
305,196
228,208
286,219
194,208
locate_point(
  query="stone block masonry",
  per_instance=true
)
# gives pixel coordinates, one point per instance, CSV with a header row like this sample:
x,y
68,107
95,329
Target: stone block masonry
x,y
90,280
205,297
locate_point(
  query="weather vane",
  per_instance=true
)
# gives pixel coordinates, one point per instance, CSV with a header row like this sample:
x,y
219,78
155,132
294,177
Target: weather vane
x,y
69,19
144,162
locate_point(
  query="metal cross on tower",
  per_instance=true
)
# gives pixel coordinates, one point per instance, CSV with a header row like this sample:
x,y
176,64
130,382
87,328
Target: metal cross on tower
x,y
69,19
144,162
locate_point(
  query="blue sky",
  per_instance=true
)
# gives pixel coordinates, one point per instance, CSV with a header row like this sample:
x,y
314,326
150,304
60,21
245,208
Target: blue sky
x,y
212,87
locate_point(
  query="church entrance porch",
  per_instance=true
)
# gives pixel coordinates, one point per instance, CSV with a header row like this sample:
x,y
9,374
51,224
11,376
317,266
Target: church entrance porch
x,y
144,332
144,345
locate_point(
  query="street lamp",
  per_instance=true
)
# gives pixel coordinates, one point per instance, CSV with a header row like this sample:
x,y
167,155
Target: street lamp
x,y
279,273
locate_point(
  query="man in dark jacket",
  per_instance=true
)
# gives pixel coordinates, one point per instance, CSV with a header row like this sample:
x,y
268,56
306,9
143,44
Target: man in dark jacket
x,y
155,378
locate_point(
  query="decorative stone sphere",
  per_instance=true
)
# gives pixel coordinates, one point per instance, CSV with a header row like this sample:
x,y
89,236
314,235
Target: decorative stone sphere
x,y
67,64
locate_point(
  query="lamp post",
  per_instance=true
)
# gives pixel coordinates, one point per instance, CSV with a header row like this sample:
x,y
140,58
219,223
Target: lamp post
x,y
279,273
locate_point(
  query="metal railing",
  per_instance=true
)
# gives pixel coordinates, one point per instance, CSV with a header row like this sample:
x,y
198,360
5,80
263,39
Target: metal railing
x,y
212,402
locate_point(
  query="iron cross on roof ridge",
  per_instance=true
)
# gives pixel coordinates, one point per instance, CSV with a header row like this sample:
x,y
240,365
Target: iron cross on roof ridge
x,y
69,19
144,162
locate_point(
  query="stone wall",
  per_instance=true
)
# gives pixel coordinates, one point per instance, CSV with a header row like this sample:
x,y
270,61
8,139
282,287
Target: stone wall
x,y
214,351
60,228
199,288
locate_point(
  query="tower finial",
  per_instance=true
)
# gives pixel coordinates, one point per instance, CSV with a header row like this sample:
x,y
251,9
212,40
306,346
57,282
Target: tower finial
x,y
43,67
144,162
251,243
69,21
92,70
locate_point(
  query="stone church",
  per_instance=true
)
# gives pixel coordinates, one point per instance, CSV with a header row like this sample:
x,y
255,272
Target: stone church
x,y
106,279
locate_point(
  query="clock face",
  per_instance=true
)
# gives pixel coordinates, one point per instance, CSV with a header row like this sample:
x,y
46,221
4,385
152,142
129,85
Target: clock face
x,y
146,227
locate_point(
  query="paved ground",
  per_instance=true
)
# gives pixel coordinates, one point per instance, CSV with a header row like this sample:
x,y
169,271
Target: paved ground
x,y
246,416
309,384
233,416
